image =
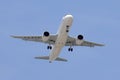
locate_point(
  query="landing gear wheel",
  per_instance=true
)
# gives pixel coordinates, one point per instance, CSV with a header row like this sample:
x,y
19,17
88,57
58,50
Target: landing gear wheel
x,y
70,49
49,47
67,30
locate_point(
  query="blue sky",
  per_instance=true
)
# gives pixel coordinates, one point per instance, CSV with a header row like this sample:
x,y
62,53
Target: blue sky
x,y
98,21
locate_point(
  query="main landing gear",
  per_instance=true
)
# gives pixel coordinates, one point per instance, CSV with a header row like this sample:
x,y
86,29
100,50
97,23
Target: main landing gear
x,y
49,47
70,49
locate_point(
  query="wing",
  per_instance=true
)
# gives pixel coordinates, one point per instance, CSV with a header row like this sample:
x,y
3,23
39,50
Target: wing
x,y
51,39
90,44
75,42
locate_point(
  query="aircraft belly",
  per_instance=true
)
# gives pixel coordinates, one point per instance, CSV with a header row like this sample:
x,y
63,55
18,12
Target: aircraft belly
x,y
61,39
55,52
60,42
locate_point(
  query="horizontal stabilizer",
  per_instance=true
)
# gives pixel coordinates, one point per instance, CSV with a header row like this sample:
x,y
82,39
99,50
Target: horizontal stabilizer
x,y
47,58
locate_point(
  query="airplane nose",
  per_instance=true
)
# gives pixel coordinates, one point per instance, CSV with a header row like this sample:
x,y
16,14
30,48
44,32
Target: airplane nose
x,y
68,16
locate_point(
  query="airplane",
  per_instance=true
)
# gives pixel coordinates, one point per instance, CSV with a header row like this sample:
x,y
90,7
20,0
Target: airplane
x,y
59,40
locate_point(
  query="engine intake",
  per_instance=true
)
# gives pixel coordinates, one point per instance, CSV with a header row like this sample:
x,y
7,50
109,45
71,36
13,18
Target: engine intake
x,y
46,34
80,37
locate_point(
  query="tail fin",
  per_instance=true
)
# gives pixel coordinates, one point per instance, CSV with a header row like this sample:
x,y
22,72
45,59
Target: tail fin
x,y
47,58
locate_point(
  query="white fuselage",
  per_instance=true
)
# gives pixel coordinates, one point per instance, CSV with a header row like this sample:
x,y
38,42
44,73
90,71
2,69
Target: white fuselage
x,y
62,37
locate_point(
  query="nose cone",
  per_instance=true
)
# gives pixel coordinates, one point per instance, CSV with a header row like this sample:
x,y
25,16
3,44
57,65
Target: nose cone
x,y
68,16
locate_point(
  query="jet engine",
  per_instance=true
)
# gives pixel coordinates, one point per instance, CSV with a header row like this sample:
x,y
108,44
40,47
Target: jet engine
x,y
45,36
80,37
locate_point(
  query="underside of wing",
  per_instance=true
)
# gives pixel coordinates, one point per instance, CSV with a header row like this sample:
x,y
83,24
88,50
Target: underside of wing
x,y
90,44
29,38
50,40
76,42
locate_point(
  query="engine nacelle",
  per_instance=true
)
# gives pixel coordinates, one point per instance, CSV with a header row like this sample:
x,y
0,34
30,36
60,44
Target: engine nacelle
x,y
45,36
79,42
80,37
